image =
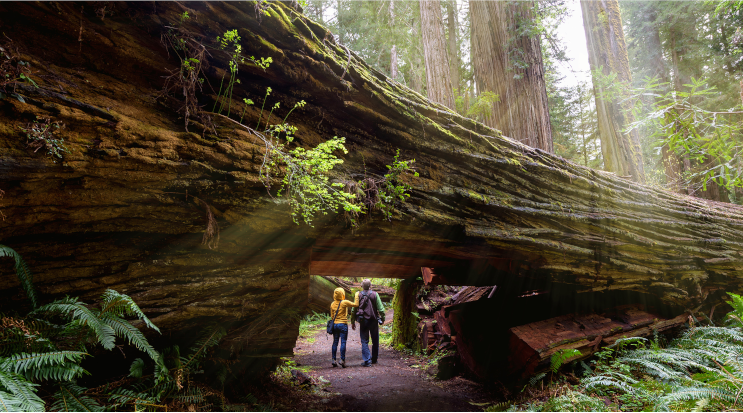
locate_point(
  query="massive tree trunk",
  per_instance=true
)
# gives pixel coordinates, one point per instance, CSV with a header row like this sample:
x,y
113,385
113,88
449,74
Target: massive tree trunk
x,y
438,79
453,44
119,210
512,69
607,54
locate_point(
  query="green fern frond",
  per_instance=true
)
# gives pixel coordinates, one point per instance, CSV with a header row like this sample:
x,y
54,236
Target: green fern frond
x,y
121,397
23,273
136,370
120,304
535,379
192,395
17,393
610,379
77,310
559,358
202,345
23,362
72,398
10,403
124,329
698,393
65,372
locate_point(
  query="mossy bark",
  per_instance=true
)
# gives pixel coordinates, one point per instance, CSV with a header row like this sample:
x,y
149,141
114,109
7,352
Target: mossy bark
x,y
117,212
405,321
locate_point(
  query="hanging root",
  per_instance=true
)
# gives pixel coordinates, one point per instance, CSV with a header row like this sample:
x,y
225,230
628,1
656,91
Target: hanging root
x,y
211,234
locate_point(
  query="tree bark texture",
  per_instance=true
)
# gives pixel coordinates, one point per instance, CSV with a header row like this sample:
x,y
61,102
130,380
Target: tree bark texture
x,y
119,210
438,78
512,69
607,53
453,44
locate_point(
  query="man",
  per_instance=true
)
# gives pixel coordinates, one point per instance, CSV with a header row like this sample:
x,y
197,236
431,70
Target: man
x,y
369,310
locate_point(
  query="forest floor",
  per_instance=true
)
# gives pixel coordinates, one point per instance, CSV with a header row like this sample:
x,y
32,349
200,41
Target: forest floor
x,y
398,382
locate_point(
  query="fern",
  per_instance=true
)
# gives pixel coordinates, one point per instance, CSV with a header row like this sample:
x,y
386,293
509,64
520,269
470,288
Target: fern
x,y
23,272
737,314
198,351
136,370
122,397
20,363
192,395
559,358
124,329
72,398
17,393
121,304
81,314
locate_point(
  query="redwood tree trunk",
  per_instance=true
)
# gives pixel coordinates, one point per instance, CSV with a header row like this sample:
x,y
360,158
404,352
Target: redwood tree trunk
x,y
607,53
513,69
438,78
453,44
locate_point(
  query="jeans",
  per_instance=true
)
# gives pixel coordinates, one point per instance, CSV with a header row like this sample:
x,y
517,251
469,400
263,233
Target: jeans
x,y
340,331
365,328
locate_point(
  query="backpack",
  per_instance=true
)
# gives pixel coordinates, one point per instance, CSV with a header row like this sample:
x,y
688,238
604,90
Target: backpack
x,y
367,305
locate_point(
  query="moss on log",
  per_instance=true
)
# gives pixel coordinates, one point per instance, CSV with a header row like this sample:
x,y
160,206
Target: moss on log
x,y
118,212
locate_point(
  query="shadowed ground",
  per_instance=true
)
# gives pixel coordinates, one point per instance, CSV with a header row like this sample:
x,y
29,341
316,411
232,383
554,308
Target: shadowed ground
x,y
391,385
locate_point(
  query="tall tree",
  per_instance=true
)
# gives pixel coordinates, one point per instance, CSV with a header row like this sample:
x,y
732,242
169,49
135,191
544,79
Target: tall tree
x,y
507,60
393,52
438,78
607,55
452,23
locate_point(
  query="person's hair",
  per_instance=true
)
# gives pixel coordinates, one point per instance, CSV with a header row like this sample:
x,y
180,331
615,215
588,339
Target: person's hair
x,y
366,284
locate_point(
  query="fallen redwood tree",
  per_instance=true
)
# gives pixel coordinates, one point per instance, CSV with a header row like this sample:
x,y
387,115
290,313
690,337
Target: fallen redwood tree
x,y
125,207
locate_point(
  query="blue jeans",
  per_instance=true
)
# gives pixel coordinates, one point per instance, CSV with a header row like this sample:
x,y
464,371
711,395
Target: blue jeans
x,y
366,328
340,331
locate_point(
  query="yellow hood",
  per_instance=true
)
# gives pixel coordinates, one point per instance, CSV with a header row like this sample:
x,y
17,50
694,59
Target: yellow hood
x,y
339,294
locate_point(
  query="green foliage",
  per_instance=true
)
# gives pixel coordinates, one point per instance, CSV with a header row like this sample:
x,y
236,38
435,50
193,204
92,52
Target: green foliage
x,y
40,134
72,398
560,357
735,317
23,273
394,190
48,345
230,42
476,108
13,71
676,120
310,324
172,377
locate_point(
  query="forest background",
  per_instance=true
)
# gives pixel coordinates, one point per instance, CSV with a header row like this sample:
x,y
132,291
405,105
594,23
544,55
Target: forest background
x,y
677,102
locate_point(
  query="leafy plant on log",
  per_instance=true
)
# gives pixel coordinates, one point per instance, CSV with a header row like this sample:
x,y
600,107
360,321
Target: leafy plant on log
x,y
304,174
41,134
13,70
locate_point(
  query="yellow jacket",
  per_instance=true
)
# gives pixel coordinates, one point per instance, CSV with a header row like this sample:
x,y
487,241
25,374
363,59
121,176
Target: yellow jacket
x,y
339,296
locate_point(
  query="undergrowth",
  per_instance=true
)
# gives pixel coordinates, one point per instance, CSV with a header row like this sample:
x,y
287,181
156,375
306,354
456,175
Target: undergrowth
x,y
311,324
700,370
41,353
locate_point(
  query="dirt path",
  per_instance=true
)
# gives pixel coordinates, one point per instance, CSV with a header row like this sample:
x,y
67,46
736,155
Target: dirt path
x,y
396,383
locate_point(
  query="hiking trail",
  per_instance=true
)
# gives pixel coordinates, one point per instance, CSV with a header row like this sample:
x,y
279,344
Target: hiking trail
x,y
396,383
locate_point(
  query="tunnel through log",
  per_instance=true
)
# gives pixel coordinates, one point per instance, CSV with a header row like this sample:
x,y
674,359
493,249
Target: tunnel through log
x,y
117,212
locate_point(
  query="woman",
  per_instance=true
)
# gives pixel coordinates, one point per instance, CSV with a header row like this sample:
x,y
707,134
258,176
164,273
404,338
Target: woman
x,y
339,312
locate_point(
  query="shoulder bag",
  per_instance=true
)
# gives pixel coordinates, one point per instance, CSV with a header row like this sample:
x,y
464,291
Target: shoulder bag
x,y
331,322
